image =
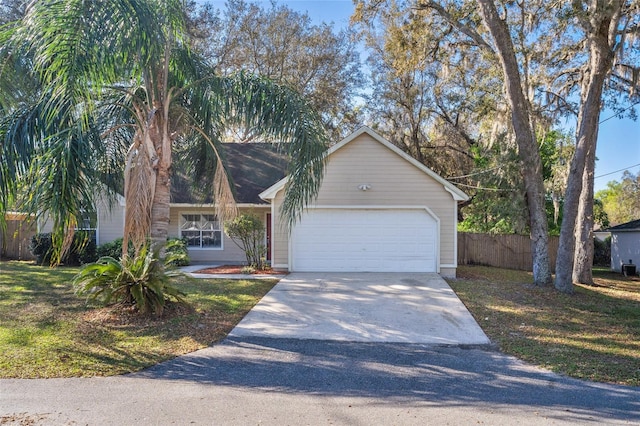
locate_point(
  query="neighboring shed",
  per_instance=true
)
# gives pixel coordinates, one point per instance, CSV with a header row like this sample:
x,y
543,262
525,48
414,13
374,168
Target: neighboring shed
x,y
625,244
378,210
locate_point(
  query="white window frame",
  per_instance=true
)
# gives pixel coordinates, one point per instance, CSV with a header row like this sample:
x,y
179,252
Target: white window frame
x,y
80,225
219,229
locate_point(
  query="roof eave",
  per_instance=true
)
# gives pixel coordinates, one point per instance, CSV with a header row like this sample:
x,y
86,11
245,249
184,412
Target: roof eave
x,y
270,193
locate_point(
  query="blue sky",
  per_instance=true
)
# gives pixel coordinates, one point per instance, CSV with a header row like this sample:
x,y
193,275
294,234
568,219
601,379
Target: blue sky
x,y
618,139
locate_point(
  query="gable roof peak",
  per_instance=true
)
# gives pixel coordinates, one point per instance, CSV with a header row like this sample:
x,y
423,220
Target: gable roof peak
x,y
457,194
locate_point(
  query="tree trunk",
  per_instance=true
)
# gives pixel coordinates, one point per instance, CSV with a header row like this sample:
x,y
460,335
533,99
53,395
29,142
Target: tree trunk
x,y
160,210
601,38
525,137
583,258
159,229
148,186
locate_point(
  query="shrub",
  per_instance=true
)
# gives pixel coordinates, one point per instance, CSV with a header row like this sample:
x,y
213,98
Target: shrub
x,y
247,232
248,270
113,249
141,281
176,252
83,249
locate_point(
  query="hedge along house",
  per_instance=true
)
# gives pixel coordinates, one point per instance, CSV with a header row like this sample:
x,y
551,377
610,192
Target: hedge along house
x,y
378,210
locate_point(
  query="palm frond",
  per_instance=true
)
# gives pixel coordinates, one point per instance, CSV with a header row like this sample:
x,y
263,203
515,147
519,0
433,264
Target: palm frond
x,y
282,115
140,281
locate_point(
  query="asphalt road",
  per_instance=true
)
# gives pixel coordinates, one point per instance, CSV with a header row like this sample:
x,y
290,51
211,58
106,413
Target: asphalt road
x,y
271,381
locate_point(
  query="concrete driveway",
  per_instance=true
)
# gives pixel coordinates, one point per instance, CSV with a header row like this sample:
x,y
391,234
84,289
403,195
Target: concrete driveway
x,y
363,307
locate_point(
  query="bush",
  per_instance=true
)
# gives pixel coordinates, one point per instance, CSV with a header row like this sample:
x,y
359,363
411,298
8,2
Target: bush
x,y
247,232
602,252
83,249
248,270
140,281
112,249
176,252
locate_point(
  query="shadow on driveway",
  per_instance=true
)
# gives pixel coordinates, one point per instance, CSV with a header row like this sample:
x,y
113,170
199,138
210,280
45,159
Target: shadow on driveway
x,y
446,375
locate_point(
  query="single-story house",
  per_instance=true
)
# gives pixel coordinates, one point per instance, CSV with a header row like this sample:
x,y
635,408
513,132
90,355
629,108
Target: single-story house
x,y
378,209
625,244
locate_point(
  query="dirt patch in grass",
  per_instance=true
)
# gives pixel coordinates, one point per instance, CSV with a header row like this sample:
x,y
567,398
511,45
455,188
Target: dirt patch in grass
x,y
593,334
46,331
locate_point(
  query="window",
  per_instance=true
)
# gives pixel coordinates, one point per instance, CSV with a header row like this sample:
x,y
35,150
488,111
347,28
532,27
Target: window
x,y
201,230
88,223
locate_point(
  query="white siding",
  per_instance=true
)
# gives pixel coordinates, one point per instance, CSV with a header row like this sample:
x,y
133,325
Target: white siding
x,y
393,181
625,246
110,221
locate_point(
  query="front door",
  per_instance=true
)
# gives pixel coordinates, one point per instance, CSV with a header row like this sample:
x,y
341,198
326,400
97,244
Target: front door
x,y
268,227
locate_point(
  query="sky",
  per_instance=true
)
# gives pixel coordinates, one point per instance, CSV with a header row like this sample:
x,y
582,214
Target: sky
x,y
618,140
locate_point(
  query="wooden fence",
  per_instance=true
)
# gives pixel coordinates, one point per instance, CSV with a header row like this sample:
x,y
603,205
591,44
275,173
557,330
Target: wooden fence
x,y
502,251
15,239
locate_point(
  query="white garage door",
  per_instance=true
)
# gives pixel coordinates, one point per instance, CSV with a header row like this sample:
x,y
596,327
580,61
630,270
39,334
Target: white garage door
x,y
364,240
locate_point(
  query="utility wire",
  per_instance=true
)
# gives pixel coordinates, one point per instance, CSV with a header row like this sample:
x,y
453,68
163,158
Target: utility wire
x,y
487,189
624,168
618,113
475,173
499,167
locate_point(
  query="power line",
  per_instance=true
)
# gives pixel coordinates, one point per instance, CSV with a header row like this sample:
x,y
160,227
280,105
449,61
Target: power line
x,y
486,189
474,173
617,171
618,113
500,168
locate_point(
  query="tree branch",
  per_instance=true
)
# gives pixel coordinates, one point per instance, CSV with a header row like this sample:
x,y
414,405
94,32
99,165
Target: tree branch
x,y
465,29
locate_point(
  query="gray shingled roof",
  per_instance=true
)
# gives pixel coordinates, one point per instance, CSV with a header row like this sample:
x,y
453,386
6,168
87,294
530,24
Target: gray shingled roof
x,y
253,167
629,226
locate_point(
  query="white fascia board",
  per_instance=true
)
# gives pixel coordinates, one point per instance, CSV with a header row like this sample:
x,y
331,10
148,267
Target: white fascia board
x,y
270,193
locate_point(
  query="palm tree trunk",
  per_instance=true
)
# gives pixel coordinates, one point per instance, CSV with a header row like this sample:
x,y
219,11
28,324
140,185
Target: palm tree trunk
x,y
148,186
160,209
159,229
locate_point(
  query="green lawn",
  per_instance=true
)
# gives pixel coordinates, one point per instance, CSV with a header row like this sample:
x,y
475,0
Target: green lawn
x,y
46,331
593,334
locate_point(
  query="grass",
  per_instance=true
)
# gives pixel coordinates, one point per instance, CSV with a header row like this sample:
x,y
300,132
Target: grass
x,y
593,334
46,331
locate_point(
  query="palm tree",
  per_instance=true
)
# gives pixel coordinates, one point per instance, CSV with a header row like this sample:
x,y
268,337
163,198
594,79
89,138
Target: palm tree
x,y
113,90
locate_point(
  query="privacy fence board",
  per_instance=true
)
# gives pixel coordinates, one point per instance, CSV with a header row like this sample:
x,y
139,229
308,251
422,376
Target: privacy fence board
x,y
502,251
15,239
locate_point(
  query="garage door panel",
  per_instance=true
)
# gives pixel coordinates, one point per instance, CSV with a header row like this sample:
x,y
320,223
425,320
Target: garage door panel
x,y
365,240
